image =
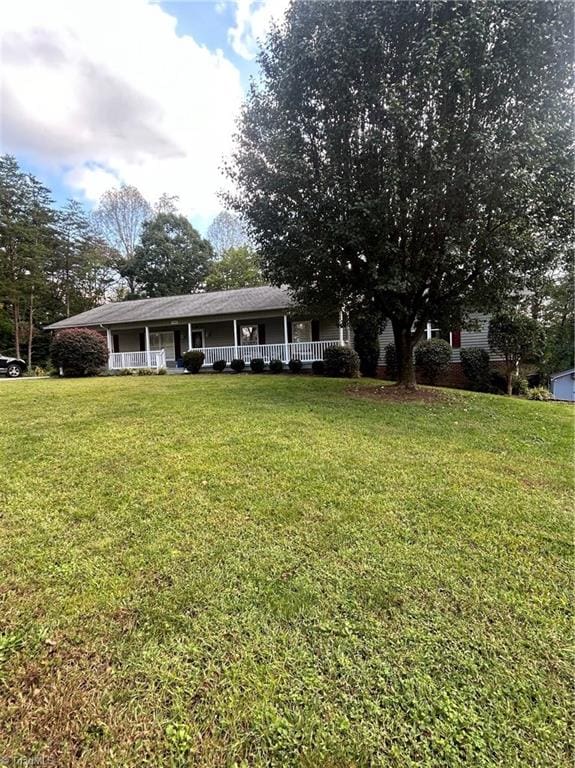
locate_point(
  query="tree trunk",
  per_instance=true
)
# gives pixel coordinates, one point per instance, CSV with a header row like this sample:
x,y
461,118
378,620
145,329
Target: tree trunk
x,y
17,326
30,328
509,376
404,344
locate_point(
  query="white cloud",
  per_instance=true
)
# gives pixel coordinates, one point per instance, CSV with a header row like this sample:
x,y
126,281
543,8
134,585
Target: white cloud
x,y
107,92
253,19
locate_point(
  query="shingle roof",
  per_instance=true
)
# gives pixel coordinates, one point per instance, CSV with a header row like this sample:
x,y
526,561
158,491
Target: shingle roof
x,y
234,302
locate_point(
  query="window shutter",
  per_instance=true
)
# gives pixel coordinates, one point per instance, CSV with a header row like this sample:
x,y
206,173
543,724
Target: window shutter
x,y
455,339
289,331
262,333
116,342
142,342
177,345
315,330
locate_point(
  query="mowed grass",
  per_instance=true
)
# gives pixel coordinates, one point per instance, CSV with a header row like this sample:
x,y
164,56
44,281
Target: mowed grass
x,y
257,570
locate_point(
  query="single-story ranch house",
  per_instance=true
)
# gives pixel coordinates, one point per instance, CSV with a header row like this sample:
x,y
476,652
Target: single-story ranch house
x,y
245,323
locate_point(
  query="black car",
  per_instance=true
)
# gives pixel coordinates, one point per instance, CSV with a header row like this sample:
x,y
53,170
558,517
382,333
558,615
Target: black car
x,y
12,367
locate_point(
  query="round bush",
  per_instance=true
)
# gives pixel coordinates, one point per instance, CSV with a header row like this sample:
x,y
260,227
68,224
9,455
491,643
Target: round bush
x,y
237,365
193,360
257,364
276,366
539,393
219,365
295,366
391,362
79,351
341,361
432,357
475,367
318,367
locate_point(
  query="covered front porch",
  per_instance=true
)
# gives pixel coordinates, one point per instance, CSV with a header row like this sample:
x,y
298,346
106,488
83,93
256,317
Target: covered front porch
x,y
269,338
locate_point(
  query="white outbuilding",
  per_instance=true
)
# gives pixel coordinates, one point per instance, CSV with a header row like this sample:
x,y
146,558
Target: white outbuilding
x,y
563,385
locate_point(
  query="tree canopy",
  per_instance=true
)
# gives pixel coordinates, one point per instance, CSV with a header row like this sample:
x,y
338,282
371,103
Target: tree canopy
x,y
403,159
236,268
226,231
172,257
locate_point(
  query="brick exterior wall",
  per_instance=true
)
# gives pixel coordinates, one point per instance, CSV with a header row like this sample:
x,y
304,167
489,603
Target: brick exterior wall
x,y
452,378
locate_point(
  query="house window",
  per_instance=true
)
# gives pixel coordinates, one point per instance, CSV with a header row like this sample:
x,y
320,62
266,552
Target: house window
x,y
301,331
433,331
249,335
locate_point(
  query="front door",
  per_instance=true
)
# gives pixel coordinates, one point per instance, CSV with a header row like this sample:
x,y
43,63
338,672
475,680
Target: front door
x,y
197,339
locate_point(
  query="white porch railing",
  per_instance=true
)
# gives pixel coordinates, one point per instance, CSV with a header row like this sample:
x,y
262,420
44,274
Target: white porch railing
x,y
306,351
154,358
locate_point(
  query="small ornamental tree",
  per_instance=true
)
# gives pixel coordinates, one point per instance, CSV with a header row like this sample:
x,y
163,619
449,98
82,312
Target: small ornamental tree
x,y
79,351
518,338
432,358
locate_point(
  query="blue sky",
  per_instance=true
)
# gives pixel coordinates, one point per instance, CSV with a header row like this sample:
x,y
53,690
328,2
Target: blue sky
x,y
103,92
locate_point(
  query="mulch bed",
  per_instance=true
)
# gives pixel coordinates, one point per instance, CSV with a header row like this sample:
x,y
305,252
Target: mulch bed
x,y
394,394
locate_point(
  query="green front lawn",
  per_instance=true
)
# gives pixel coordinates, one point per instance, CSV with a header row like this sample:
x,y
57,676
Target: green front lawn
x,y
257,570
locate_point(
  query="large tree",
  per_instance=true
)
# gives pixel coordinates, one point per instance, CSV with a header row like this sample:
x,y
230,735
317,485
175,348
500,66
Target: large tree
x,y
119,218
403,158
236,268
172,257
226,231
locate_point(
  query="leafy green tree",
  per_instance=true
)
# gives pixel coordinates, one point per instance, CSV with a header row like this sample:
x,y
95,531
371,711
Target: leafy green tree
x,y
519,338
237,268
366,332
172,258
405,157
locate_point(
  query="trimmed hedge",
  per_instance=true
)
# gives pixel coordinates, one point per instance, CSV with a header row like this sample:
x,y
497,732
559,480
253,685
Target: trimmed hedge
x,y
432,358
79,351
318,368
475,367
295,366
219,365
257,364
276,366
341,361
238,365
193,360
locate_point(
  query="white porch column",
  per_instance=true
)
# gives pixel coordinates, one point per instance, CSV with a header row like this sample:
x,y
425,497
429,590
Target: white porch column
x,y
148,356
110,341
286,343
341,328
235,337
189,336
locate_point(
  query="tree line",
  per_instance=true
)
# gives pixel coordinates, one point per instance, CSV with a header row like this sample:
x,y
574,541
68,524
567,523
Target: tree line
x,y
59,261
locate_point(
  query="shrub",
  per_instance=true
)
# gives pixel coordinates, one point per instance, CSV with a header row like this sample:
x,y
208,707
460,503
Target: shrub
x,y
341,361
519,385
432,357
276,366
219,365
127,372
257,364
237,365
391,362
318,367
79,351
497,382
539,393
366,344
161,372
295,366
145,372
193,360
475,367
